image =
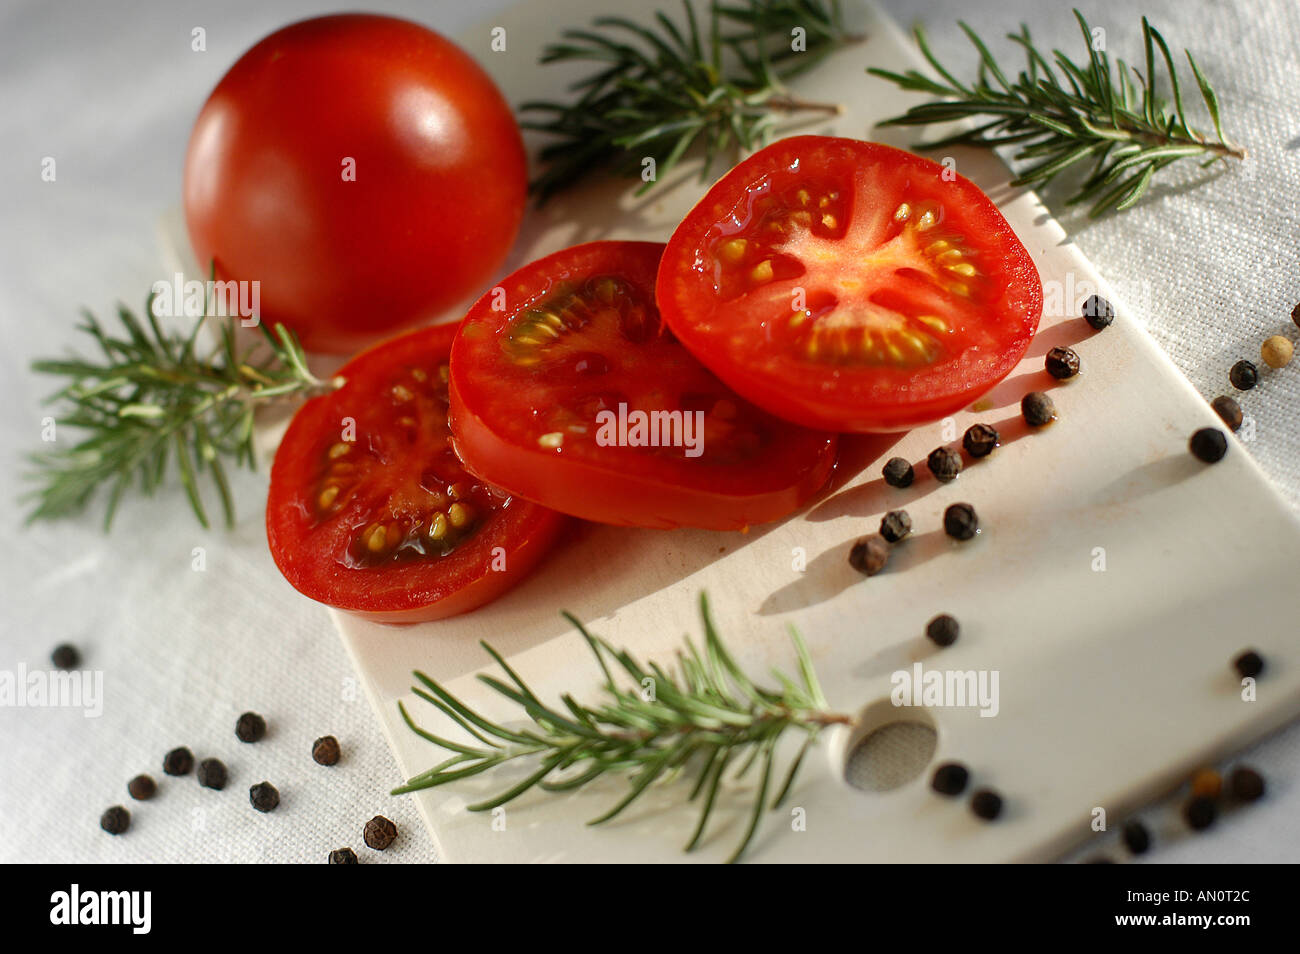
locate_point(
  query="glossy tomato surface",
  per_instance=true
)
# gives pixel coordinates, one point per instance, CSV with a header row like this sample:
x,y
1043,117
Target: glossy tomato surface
x,y
851,286
370,510
363,169
567,389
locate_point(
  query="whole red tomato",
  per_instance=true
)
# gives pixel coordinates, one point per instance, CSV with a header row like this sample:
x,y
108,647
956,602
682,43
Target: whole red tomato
x,y
363,169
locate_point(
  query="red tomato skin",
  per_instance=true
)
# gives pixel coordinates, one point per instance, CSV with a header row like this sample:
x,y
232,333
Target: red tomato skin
x,y
584,489
527,531
801,398
440,178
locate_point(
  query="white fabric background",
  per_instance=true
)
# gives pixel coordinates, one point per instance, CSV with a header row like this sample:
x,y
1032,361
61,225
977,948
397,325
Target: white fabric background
x,y
110,89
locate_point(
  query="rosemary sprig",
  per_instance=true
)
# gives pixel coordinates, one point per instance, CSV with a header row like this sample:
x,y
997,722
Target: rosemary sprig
x,y
657,90
1113,117
707,719
148,397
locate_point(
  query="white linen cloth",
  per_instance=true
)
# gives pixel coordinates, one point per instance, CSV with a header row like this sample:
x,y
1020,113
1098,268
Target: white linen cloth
x,y
110,90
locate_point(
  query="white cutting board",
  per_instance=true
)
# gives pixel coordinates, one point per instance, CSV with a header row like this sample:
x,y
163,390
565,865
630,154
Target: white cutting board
x,y
1114,683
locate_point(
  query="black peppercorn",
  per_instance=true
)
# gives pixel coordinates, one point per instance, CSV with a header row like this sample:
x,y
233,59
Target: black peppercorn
x,y
325,750
65,656
1038,409
1295,315
960,521
379,833
1097,312
212,774
178,761
264,796
1229,411
942,630
1243,375
1200,812
1246,784
1208,444
987,804
142,787
895,525
343,856
869,555
898,472
950,778
1062,363
1249,664
250,727
1136,837
980,440
115,820
944,463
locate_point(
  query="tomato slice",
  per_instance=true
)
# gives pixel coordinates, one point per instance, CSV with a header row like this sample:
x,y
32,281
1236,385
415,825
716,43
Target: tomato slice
x,y
552,372
371,511
849,285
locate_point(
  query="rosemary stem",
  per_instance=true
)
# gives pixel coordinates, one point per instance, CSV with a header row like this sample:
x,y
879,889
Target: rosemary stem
x,y
793,104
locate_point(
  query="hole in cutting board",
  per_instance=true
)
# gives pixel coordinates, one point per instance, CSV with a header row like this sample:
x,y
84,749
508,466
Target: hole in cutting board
x,y
887,748
891,755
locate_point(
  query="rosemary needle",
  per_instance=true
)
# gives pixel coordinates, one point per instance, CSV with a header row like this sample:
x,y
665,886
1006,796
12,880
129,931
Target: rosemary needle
x,y
1059,113
700,719
657,89
149,397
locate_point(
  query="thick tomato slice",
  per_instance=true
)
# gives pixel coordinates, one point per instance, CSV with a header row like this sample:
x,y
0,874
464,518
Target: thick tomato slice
x,y
550,376
849,285
370,510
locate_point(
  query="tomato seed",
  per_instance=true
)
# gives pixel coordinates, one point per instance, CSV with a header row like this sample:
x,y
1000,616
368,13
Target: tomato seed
x,y
943,630
898,472
142,787
1243,375
1249,664
986,804
1228,409
379,833
960,521
944,463
178,761
264,796
1136,837
1208,444
459,515
950,779
1246,784
895,525
1038,409
1062,363
343,856
980,440
115,820
325,750
1098,312
869,555
250,727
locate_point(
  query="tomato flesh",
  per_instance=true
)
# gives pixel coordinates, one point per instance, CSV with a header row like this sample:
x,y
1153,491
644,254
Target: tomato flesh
x,y
371,511
567,389
850,285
